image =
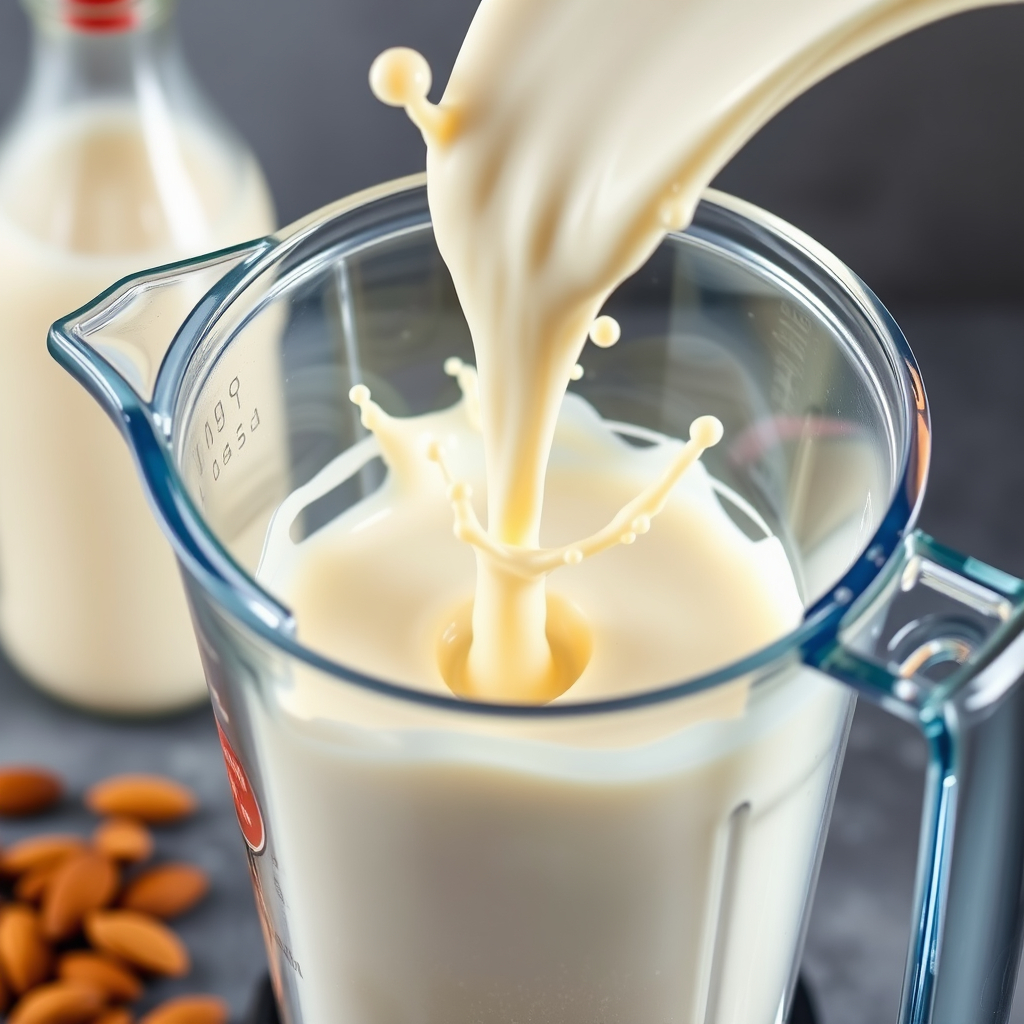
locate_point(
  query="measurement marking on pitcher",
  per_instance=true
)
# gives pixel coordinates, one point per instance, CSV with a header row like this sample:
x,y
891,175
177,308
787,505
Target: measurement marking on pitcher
x,y
213,435
288,955
792,332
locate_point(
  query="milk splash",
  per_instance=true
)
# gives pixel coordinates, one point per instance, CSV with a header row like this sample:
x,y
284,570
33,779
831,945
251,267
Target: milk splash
x,y
518,571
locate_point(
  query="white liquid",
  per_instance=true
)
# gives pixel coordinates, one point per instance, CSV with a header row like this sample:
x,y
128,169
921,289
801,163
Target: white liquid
x,y
91,603
689,596
645,867
651,871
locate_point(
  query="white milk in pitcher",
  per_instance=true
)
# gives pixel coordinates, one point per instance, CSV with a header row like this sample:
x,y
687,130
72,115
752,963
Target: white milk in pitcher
x,y
91,603
647,866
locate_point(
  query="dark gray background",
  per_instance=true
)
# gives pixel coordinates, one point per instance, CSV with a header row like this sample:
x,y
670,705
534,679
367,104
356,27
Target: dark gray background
x,y
909,165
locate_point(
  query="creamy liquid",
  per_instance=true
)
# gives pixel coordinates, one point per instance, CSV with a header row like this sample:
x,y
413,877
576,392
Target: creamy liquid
x,y
654,872
638,868
571,136
91,605
690,595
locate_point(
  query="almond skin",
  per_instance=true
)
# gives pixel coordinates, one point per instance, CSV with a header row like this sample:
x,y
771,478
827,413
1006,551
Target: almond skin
x,y
189,1010
124,839
84,882
60,1002
115,1015
102,972
24,953
26,791
150,798
31,886
39,852
139,939
167,890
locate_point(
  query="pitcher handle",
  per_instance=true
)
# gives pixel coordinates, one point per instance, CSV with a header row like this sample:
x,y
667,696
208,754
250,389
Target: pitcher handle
x,y
953,665
127,348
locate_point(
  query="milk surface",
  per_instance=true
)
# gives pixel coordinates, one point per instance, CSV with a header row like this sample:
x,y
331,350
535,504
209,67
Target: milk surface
x,y
91,604
689,596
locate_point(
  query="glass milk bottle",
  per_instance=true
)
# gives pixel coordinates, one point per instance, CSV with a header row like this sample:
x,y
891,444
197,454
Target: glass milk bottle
x,y
112,162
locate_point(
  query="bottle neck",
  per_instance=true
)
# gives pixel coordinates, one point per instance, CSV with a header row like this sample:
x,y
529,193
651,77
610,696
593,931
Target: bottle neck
x,y
97,17
100,49
112,148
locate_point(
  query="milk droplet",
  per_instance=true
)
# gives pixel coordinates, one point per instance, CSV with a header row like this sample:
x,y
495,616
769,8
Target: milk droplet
x,y
577,373
573,556
359,394
400,76
706,431
627,538
452,366
605,331
641,524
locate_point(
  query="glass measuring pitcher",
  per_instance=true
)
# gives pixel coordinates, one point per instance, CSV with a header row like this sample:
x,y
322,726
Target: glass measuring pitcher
x,y
640,859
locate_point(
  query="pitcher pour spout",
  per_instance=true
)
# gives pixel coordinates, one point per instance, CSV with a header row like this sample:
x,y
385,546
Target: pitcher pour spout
x,y
132,371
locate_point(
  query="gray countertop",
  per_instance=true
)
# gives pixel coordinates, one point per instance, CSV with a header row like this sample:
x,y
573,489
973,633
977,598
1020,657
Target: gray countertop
x,y
222,932
973,365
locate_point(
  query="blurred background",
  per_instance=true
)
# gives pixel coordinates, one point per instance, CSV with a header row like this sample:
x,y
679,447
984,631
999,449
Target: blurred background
x,y
908,165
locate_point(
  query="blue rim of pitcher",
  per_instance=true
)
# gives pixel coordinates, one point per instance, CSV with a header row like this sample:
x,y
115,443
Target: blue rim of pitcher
x,y
146,430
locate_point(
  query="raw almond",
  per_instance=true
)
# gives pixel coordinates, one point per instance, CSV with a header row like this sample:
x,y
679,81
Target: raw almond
x,y
115,1015
150,798
141,940
39,852
84,882
167,890
189,1010
124,839
60,1002
25,791
32,885
103,972
24,953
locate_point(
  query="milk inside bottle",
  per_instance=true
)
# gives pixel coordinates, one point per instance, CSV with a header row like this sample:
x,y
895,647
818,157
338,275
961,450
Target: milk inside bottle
x,y
112,163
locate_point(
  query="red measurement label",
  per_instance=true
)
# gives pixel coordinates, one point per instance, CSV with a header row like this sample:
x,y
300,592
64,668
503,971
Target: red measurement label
x,y
248,810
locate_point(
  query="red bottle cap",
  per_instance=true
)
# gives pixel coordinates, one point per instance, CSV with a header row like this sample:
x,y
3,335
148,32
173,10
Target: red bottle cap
x,y
100,15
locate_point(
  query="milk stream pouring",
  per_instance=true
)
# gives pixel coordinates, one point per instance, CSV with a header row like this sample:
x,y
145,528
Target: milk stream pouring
x,y
570,138
112,163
